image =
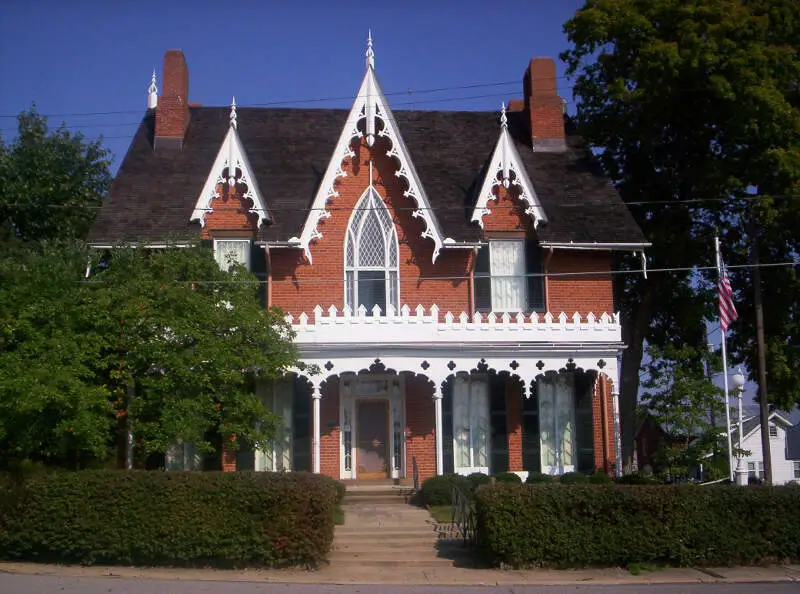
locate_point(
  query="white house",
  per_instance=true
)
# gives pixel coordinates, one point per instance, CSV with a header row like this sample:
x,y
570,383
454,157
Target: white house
x,y
784,470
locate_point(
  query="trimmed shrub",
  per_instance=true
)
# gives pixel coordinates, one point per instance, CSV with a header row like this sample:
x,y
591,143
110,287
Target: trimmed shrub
x,y
169,518
508,477
600,478
683,525
438,490
538,478
637,478
476,479
573,478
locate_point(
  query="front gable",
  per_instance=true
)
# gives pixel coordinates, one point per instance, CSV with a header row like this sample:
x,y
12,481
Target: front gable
x,y
370,117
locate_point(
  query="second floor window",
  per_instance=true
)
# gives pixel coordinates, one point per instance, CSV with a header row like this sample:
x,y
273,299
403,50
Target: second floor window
x,y
371,257
506,277
229,252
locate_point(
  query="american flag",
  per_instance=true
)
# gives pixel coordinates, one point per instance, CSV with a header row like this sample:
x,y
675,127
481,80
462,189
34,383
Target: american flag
x,y
727,311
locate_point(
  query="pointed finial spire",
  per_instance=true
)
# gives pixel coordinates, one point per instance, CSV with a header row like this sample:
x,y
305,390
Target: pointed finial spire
x,y
370,52
152,92
504,137
233,113
503,117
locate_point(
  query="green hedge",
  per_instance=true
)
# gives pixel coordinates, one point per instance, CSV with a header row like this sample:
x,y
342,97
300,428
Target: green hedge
x,y
596,525
438,490
169,518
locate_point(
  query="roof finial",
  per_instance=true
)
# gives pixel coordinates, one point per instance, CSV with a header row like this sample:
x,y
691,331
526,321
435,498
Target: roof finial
x,y
503,117
233,113
152,92
370,52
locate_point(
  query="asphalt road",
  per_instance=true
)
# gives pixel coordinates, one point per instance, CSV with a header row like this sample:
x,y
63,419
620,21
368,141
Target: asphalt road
x,y
39,584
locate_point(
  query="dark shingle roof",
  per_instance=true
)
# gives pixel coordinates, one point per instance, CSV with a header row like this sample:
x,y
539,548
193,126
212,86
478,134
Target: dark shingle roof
x,y
154,194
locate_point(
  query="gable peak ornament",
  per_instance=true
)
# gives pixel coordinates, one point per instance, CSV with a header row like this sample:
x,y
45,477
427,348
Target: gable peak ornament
x,y
370,55
233,116
152,92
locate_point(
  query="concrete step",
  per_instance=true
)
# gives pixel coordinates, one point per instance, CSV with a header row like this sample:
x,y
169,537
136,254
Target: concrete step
x,y
373,542
397,558
385,531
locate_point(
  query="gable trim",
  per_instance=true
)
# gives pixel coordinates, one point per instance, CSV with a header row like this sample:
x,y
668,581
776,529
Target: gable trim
x,y
370,105
505,161
230,152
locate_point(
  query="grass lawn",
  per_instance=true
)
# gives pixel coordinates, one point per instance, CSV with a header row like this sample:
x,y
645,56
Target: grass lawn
x,y
441,513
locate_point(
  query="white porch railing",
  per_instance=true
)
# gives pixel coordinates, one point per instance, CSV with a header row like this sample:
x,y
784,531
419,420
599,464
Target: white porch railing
x,y
430,326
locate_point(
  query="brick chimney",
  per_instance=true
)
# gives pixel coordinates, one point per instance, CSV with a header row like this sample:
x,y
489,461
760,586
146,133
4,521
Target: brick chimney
x,y
544,106
172,112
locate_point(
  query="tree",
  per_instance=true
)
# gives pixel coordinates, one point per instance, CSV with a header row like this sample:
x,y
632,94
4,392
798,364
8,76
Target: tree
x,y
52,407
692,107
193,340
685,403
52,181
163,340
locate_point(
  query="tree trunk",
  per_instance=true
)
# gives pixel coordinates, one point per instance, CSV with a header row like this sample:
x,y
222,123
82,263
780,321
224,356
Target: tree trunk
x,y
634,334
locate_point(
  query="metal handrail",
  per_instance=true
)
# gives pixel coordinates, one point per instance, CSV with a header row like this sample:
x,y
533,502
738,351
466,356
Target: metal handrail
x,y
463,516
415,473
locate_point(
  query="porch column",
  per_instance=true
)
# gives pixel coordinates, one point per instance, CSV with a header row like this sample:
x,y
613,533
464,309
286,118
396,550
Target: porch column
x,y
315,396
617,436
437,401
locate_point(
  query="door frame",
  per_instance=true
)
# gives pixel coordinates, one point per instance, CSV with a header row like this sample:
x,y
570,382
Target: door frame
x,y
395,397
387,444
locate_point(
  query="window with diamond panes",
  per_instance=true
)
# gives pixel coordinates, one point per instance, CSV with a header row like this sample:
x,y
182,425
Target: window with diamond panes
x,y
371,257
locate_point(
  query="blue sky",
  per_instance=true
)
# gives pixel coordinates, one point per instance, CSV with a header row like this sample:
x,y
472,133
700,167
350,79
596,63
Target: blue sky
x,y
90,56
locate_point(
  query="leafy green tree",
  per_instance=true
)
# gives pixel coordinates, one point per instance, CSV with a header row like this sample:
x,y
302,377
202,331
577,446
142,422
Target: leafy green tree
x,y
161,340
52,181
52,407
687,406
193,340
692,106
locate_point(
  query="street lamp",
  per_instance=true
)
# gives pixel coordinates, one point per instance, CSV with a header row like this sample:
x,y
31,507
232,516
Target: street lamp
x,y
741,472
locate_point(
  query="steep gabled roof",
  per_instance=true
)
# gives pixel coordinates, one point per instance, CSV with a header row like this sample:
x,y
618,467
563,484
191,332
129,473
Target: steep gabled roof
x,y
154,193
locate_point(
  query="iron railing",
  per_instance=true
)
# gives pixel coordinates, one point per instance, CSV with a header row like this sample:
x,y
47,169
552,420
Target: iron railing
x,y
415,472
463,516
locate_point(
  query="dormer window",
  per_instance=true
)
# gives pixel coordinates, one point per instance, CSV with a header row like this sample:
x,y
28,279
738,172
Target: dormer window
x,y
371,256
507,277
229,252
773,431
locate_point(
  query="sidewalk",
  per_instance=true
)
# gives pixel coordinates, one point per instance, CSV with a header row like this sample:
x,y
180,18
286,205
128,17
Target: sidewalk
x,y
439,576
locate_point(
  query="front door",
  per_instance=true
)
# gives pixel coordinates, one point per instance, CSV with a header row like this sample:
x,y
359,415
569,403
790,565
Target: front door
x,y
373,439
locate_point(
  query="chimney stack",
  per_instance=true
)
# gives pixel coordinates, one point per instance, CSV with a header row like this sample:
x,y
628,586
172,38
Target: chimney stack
x,y
544,106
172,112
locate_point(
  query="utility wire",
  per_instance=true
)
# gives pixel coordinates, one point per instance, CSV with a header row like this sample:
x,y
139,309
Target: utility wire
x,y
311,99
752,197
586,273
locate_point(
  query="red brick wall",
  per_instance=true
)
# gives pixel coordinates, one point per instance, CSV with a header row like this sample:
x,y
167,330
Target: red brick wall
x,y
603,422
420,427
229,216
329,428
514,423
172,112
582,293
298,286
228,457
507,214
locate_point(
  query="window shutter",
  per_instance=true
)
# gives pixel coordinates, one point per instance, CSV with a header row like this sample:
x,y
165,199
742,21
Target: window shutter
x,y
483,281
533,266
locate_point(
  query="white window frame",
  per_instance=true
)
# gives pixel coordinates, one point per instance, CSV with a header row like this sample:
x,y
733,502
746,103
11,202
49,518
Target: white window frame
x,y
246,262
796,466
773,430
372,200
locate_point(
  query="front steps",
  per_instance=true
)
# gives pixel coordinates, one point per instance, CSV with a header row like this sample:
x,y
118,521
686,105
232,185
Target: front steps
x,y
382,530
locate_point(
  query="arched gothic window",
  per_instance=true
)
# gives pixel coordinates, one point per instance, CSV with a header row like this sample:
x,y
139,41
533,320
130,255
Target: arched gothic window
x,y
371,256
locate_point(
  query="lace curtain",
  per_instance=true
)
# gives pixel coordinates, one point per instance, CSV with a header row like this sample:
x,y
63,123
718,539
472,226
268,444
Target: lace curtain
x,y
228,252
471,422
557,423
508,275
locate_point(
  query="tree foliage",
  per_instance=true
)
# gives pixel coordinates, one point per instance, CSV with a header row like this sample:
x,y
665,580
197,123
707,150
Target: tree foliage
x,y
190,340
687,406
52,181
692,107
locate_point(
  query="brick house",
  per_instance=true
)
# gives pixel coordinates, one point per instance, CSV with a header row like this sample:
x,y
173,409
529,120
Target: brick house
x,y
448,272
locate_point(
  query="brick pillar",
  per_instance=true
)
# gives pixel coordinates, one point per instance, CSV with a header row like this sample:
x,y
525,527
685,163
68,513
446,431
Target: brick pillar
x,y
420,427
329,430
603,424
514,423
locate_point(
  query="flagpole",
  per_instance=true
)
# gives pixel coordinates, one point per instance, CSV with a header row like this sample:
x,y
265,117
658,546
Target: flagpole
x,y
725,370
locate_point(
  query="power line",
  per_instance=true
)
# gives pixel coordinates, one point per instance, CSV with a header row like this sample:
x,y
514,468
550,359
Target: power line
x,y
310,99
545,275
751,197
